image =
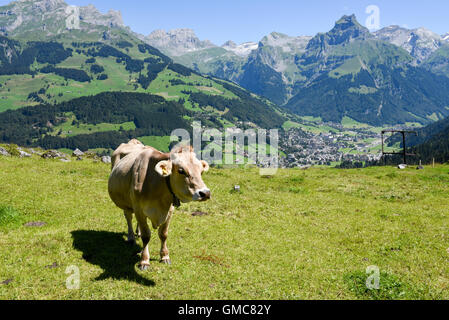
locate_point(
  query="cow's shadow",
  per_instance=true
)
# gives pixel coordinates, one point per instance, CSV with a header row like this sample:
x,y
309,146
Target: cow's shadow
x,y
111,252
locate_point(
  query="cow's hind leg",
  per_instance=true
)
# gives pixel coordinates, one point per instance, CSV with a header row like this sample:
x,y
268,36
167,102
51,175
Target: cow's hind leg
x,y
146,235
129,220
163,234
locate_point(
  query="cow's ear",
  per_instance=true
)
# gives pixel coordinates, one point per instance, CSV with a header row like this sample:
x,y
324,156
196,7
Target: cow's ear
x,y
205,166
163,168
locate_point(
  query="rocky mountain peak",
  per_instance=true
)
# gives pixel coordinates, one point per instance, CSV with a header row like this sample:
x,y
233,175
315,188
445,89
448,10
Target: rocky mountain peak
x,y
346,29
229,44
276,35
46,5
420,42
44,18
277,39
179,35
347,22
91,15
177,42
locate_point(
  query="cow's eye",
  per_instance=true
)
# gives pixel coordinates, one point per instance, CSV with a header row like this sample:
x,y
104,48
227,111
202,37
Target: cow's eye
x,y
181,171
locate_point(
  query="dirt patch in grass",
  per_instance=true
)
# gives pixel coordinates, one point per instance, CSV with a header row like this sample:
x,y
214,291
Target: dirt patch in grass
x,y
52,266
209,89
212,258
166,95
6,282
199,213
35,224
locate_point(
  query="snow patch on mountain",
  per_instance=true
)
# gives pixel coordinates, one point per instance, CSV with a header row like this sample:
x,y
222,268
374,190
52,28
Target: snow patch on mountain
x,y
242,50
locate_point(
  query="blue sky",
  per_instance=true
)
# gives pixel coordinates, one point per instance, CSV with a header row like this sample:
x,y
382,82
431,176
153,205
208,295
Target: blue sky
x,y
250,20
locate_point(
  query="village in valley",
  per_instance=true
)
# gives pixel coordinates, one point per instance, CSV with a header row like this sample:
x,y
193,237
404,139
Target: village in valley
x,y
310,142
329,144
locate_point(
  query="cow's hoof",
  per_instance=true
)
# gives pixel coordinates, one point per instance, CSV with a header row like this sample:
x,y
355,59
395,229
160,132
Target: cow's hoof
x,y
165,261
143,267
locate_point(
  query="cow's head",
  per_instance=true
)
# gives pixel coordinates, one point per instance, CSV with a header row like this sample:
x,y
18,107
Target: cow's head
x,y
185,172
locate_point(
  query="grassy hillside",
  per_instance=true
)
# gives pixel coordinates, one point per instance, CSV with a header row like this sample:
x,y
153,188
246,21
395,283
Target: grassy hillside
x,y
299,235
124,89
438,62
30,73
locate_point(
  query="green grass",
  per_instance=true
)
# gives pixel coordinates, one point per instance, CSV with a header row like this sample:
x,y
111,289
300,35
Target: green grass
x,y
351,123
313,128
160,143
290,124
351,66
298,235
66,129
391,288
433,117
312,119
9,217
15,89
316,129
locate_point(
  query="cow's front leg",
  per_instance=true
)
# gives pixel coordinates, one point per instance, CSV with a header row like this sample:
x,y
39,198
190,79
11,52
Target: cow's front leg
x,y
138,234
146,235
163,234
129,221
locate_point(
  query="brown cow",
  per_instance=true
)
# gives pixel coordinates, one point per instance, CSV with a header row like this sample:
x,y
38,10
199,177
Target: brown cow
x,y
149,183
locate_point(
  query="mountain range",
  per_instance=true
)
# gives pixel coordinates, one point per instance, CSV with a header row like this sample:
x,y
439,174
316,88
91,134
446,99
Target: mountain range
x,y
382,77
392,76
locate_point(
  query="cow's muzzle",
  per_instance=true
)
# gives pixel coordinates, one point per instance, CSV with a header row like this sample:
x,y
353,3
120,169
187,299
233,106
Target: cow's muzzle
x,y
202,195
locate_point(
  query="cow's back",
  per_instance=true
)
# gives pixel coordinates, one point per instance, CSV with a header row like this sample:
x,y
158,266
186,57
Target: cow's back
x,y
121,180
124,149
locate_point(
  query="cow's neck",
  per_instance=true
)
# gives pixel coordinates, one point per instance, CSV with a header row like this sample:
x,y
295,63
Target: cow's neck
x,y
176,201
